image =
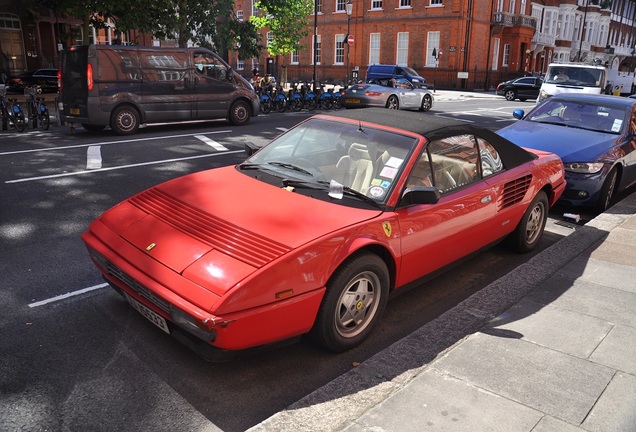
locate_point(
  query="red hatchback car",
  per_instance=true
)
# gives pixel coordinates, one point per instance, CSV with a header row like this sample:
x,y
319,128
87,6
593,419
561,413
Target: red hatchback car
x,y
314,231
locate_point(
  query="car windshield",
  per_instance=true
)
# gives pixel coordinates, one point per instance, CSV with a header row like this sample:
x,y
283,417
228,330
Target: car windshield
x,y
589,77
339,157
598,116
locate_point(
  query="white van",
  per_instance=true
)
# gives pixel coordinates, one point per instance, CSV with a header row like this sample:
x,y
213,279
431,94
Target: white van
x,y
572,78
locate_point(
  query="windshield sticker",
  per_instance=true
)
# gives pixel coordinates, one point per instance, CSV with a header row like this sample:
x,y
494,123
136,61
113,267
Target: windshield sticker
x,y
376,182
385,184
616,127
376,191
335,190
388,172
394,162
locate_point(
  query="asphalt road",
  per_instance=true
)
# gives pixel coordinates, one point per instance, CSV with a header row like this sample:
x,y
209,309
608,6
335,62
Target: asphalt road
x,y
75,356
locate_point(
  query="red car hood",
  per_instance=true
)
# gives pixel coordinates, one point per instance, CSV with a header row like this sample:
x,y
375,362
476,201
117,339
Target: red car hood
x,y
238,222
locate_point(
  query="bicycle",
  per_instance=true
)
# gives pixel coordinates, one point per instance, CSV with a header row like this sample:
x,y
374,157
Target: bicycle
x,y
37,109
325,98
11,113
280,100
265,99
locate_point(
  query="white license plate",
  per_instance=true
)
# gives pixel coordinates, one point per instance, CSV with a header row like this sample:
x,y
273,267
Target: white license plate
x,y
151,315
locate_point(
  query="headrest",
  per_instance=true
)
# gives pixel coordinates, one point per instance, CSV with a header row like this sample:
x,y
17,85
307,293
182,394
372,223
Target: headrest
x,y
359,151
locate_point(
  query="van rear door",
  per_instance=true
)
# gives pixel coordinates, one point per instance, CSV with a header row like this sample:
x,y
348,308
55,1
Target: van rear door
x,y
74,82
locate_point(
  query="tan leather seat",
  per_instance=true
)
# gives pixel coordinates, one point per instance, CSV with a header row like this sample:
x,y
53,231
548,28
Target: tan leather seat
x,y
355,169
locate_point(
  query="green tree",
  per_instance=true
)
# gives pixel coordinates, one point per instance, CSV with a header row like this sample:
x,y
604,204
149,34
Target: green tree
x,y
288,21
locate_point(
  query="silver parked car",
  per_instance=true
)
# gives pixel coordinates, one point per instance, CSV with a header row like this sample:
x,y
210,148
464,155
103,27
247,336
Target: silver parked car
x,y
391,93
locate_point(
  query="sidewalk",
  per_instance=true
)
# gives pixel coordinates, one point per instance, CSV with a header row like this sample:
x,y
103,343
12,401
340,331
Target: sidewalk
x,y
549,347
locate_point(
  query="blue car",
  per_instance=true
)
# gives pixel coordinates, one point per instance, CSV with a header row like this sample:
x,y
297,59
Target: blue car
x,y
594,135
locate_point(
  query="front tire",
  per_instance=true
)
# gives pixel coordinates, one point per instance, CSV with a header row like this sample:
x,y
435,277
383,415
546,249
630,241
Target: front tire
x,y
355,298
528,233
125,120
427,103
239,113
393,102
607,191
45,120
19,122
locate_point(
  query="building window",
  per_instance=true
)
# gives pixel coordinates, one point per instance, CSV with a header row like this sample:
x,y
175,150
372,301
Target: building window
x,y
240,65
316,51
254,64
506,55
270,37
339,54
254,8
405,3
374,48
294,57
432,44
436,3
341,5
239,15
495,54
376,4
402,57
317,6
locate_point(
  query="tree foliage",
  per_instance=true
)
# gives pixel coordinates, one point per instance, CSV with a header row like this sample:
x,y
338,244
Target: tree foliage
x,y
288,20
210,23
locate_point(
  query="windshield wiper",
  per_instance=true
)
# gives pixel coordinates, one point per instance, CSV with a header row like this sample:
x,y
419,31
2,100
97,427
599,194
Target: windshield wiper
x,y
291,167
249,166
324,185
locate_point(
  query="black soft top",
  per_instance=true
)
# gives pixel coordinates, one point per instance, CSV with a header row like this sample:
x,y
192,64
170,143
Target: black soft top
x,y
433,127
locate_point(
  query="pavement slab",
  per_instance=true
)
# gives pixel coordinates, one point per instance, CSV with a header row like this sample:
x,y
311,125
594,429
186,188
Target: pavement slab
x,y
549,381
616,409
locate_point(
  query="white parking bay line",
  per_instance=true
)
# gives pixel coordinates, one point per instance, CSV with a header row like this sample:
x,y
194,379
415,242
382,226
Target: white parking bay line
x,y
215,145
67,295
94,157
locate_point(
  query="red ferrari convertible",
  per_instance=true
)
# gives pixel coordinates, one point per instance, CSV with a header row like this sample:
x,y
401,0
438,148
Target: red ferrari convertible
x,y
314,231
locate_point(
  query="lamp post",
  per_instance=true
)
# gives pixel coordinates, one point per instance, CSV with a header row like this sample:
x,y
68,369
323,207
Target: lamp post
x,y
315,40
349,11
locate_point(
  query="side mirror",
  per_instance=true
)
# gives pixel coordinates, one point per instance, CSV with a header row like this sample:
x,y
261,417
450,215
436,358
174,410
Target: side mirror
x,y
420,195
251,148
518,114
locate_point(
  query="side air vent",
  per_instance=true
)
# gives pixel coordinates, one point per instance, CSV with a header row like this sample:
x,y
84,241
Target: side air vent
x,y
514,191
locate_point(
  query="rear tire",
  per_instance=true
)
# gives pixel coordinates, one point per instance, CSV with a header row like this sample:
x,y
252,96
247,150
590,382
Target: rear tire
x,y
393,102
239,113
510,95
528,233
125,120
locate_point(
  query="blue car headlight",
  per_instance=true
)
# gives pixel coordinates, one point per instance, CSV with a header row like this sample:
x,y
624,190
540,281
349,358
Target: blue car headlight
x,y
584,167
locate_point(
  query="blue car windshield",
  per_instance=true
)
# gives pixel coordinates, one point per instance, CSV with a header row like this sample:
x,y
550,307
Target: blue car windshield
x,y
597,116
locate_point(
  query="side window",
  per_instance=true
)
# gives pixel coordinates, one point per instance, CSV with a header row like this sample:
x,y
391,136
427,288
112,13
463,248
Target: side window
x,y
209,66
422,173
454,162
490,160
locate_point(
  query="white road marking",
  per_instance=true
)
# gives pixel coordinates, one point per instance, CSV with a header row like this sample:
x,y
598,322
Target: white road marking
x,y
119,167
108,143
215,145
94,157
67,295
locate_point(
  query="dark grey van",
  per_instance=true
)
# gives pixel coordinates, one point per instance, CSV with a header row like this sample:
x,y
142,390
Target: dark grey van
x,y
377,71
123,87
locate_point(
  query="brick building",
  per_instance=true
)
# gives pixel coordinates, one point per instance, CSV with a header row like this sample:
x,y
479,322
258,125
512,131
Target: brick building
x,y
486,41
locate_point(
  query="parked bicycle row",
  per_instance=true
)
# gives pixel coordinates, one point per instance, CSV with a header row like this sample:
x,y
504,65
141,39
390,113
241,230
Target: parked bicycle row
x,y
14,116
299,97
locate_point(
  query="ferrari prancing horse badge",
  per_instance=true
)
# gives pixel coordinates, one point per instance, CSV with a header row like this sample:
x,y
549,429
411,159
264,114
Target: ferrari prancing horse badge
x,y
386,226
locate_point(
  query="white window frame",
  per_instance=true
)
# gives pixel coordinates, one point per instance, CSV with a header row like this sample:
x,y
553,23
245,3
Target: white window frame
x,y
376,4
239,15
294,57
341,6
432,43
316,50
402,49
506,55
405,4
339,50
495,54
374,48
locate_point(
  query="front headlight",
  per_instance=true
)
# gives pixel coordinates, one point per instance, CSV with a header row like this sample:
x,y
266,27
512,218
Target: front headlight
x,y
584,167
543,95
